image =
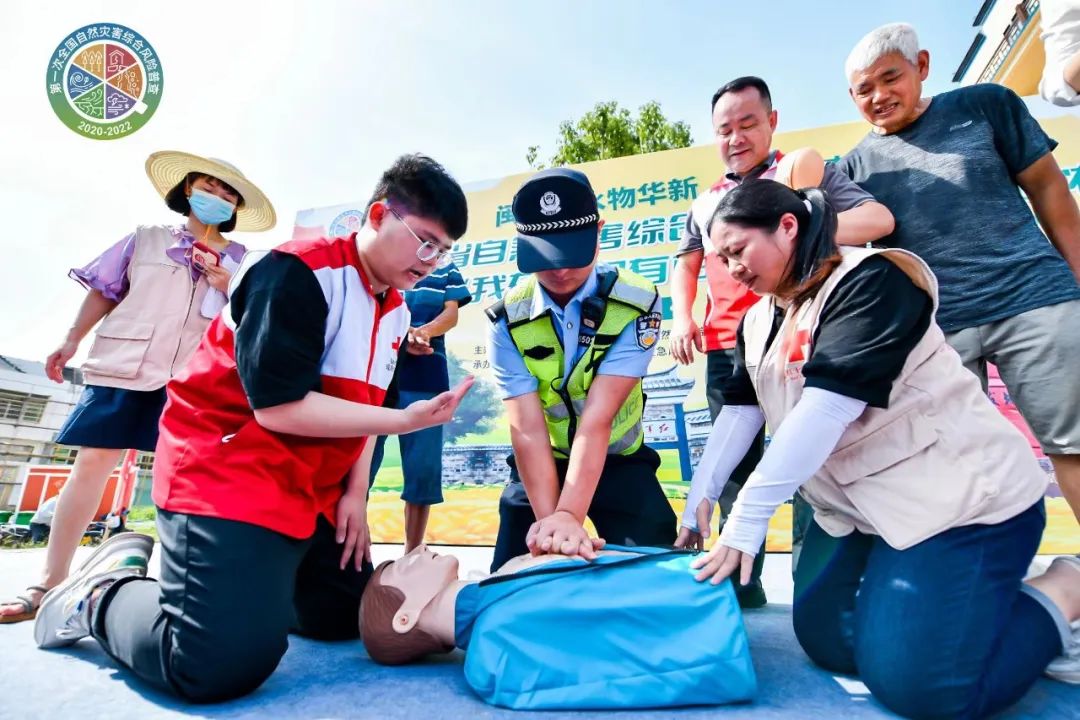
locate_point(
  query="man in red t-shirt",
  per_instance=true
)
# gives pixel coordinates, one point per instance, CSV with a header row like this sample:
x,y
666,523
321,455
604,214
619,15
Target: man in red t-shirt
x,y
261,468
744,121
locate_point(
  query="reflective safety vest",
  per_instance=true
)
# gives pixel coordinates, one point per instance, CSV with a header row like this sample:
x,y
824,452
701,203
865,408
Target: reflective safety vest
x,y
622,298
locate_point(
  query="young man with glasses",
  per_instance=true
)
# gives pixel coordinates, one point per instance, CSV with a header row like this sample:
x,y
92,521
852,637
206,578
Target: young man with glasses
x,y
569,345
261,472
422,373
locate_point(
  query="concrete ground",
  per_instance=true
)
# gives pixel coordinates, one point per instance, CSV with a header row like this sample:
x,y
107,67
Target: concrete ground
x,y
337,680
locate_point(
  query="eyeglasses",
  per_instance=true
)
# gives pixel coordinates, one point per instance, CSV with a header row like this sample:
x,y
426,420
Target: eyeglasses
x,y
428,250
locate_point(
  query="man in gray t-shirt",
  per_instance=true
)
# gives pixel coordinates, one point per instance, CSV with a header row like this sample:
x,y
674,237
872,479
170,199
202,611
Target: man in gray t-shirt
x,y
950,179
951,169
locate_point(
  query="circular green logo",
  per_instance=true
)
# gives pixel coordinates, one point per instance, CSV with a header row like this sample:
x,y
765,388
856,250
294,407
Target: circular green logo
x,y
104,81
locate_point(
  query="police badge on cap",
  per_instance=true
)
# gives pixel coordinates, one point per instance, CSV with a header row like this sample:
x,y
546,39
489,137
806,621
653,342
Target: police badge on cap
x,y
557,221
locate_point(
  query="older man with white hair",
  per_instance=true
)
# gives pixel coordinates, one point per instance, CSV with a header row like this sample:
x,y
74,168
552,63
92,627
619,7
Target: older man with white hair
x,y
951,169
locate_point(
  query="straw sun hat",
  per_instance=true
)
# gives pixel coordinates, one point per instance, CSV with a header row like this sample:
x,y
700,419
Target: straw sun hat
x,y
168,168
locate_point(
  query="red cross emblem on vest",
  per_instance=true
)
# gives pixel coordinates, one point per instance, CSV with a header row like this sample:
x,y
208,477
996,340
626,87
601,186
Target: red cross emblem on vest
x,y
798,347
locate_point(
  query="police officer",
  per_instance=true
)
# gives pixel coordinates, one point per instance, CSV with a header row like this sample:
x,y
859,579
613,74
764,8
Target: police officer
x,y
569,345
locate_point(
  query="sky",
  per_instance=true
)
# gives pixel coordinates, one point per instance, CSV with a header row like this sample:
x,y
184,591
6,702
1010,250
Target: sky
x,y
312,101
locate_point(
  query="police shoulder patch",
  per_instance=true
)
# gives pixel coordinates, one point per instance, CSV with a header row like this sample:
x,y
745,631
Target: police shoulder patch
x,y
648,330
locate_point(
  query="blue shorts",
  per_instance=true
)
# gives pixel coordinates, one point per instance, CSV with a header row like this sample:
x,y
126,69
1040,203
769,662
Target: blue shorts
x,y
108,417
421,457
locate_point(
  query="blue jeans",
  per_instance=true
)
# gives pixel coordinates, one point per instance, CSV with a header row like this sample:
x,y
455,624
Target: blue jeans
x,y
421,457
939,630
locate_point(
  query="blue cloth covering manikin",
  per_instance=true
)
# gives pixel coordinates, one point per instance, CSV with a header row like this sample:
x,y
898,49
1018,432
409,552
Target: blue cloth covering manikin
x,y
621,632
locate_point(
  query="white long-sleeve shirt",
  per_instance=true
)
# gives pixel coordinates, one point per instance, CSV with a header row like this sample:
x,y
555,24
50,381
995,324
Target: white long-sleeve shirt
x,y
799,447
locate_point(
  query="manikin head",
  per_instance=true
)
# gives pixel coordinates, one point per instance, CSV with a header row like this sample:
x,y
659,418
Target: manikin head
x,y
396,596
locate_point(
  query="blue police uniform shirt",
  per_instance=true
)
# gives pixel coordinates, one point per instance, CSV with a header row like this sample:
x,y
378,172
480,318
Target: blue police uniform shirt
x,y
625,357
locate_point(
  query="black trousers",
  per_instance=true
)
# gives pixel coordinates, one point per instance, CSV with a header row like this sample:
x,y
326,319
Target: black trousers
x,y
216,624
628,508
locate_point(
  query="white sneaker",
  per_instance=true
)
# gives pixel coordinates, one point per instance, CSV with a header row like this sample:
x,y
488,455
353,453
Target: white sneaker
x,y
64,615
1066,667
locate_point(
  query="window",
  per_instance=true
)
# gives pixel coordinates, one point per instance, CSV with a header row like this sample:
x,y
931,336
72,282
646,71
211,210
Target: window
x,y
22,407
145,461
64,455
16,453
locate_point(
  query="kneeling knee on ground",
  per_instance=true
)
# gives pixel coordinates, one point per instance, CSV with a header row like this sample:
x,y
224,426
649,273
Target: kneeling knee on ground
x,y
228,668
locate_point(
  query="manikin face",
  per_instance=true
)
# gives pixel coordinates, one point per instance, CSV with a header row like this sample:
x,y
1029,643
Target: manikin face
x,y
756,258
401,592
392,258
888,92
421,574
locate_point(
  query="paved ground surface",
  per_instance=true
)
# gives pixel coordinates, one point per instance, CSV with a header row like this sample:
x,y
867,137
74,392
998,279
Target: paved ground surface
x,y
337,680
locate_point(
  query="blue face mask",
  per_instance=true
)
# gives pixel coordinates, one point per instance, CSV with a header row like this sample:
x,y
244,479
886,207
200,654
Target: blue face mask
x,y
209,208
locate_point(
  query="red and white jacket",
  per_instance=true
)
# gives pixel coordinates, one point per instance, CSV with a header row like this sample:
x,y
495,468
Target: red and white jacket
x,y
213,459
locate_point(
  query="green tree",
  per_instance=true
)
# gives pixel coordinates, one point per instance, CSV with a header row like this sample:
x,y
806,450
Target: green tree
x,y
477,412
609,131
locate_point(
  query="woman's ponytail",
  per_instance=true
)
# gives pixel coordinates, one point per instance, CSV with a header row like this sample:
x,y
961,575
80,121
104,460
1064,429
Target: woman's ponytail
x,y
816,254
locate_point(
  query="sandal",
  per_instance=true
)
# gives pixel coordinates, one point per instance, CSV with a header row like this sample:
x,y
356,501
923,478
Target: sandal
x,y
30,610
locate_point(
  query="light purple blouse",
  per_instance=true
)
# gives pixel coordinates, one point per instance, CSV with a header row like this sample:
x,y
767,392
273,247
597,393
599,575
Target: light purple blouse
x,y
107,273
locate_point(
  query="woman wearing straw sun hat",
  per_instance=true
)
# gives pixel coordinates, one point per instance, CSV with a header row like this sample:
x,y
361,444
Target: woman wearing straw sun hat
x,y
155,292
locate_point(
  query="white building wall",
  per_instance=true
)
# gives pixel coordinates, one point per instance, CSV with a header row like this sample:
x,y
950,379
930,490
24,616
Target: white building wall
x,y
22,440
999,18
62,398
